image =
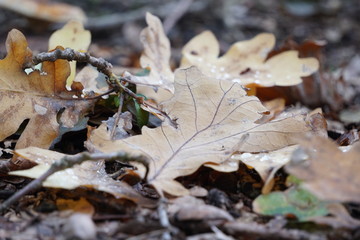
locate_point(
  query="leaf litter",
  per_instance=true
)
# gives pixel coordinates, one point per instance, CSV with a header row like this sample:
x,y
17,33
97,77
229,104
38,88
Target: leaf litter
x,y
40,96
217,125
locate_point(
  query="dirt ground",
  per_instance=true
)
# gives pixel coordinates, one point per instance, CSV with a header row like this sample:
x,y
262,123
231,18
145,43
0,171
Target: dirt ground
x,y
115,27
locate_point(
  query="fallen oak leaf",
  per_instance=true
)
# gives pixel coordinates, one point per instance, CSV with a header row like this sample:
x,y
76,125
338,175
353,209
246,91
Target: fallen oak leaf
x,y
213,116
156,55
37,96
159,84
245,62
267,163
326,171
90,174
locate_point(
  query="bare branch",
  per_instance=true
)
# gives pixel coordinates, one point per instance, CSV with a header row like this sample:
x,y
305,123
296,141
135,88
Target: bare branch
x,y
115,82
71,55
68,162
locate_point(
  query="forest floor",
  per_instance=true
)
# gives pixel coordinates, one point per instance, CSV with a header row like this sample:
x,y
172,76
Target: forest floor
x,y
115,27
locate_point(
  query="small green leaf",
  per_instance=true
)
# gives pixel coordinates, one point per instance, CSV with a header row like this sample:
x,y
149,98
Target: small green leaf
x,y
142,116
296,201
116,101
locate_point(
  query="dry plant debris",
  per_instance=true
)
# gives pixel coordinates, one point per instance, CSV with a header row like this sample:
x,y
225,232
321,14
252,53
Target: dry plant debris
x,y
88,174
40,96
72,35
214,119
246,62
326,171
210,123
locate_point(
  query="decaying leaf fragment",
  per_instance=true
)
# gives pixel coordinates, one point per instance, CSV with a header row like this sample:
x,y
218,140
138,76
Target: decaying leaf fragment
x,y
37,96
72,35
326,171
89,173
212,116
245,62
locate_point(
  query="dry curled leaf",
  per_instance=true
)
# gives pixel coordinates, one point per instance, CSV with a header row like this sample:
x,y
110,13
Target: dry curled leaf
x,y
72,35
159,84
89,173
43,10
37,96
245,62
213,117
326,171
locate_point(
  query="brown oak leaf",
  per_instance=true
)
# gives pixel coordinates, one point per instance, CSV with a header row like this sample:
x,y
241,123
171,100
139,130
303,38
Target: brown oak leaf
x,y
38,96
326,171
89,174
246,61
213,118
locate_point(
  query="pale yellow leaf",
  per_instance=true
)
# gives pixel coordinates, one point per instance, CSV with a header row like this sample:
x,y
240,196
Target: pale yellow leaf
x,y
38,96
159,84
72,35
245,62
89,173
212,116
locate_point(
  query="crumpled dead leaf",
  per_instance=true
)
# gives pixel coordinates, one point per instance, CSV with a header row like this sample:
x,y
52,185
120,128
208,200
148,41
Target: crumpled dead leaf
x,y
93,81
72,35
326,171
37,96
52,12
213,117
89,173
245,62
159,84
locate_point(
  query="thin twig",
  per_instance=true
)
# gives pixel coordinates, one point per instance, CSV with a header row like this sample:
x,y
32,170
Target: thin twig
x,y
71,55
68,162
115,82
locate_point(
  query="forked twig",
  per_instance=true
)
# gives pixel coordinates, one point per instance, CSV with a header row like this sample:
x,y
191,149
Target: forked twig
x,y
71,55
68,162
